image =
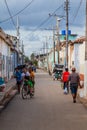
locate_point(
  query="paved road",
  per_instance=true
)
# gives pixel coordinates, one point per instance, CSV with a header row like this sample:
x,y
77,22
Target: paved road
x,y
49,110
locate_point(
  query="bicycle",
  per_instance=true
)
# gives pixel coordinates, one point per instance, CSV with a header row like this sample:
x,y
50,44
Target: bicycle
x,y
25,91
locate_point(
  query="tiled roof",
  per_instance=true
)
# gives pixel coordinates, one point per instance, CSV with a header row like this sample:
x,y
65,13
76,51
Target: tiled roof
x,y
5,37
80,40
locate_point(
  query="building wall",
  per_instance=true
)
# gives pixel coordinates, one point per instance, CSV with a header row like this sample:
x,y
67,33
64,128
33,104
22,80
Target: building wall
x,y
62,55
8,46
3,50
51,61
82,57
5,66
70,37
71,56
77,56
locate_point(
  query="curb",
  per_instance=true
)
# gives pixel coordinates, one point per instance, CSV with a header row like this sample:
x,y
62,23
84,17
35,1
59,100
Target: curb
x,y
7,99
8,95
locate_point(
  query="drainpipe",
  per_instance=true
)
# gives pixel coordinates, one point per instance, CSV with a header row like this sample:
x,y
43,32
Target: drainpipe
x,y
85,70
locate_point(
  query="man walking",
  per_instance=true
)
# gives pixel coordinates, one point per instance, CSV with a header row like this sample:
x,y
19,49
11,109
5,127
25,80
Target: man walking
x,y
18,77
74,79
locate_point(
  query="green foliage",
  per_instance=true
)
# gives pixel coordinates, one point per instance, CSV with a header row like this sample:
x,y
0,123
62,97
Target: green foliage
x,y
32,56
33,59
35,62
27,59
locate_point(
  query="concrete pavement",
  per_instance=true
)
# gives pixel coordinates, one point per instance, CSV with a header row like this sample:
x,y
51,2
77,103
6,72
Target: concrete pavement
x,y
50,109
82,100
10,92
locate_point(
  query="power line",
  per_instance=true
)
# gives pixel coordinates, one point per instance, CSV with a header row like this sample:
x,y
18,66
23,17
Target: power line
x,y
76,12
47,19
10,13
5,20
38,27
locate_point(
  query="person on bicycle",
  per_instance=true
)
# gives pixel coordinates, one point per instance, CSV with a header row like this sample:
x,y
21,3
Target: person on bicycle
x,y
25,72
32,75
32,78
27,80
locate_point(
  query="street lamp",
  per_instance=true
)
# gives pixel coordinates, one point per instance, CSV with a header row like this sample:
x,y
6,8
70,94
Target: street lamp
x,y
14,45
58,40
14,55
58,19
54,43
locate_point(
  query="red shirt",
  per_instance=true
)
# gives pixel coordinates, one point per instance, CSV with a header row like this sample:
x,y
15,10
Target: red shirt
x,y
65,76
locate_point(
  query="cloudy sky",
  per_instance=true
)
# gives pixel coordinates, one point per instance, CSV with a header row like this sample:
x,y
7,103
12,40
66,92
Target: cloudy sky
x,y
35,22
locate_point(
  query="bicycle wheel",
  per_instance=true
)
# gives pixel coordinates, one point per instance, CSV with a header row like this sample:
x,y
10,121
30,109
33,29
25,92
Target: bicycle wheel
x,y
33,91
24,91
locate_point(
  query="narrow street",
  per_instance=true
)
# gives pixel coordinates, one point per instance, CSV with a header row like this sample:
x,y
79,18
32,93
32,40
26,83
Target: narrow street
x,y
50,109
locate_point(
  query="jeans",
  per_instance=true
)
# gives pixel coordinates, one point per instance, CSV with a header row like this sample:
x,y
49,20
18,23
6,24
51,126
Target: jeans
x,y
74,87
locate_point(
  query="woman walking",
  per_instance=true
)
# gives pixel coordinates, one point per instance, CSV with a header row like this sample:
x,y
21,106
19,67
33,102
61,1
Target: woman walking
x,y
65,77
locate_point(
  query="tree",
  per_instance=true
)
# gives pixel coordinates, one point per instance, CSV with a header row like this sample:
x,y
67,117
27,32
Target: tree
x,y
32,56
33,59
26,59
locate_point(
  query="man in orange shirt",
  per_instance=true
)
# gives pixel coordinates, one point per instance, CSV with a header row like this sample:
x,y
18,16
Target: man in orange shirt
x,y
32,75
65,77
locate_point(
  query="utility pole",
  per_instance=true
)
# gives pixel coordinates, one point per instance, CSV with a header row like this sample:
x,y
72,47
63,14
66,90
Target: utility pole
x,y
47,55
22,53
66,8
58,39
54,44
18,36
44,54
53,29
85,74
58,19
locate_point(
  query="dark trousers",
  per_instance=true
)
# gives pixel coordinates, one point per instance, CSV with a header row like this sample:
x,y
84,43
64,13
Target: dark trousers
x,y
18,85
66,85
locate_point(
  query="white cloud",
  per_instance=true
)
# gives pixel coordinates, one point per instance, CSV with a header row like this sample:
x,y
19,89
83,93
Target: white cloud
x,y
35,14
34,45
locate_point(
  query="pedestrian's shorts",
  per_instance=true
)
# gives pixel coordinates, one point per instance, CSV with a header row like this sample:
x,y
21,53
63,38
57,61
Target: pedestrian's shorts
x,y
29,83
74,87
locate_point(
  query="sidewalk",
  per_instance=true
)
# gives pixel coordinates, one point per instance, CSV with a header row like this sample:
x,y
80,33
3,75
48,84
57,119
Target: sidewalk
x,y
8,93
81,98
